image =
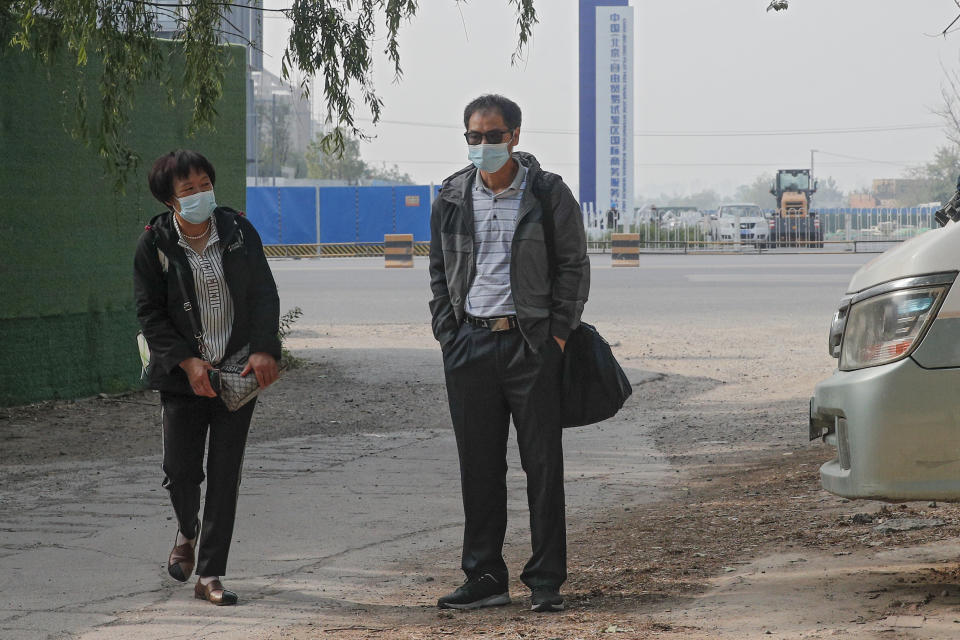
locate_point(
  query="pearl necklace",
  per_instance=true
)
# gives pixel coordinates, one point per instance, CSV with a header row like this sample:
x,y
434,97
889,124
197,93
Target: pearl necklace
x,y
198,236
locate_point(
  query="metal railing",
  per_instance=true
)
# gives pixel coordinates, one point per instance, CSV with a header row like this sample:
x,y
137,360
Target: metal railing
x,y
829,231
728,247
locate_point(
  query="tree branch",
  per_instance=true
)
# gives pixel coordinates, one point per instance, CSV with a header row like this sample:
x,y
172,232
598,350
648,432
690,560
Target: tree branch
x,y
330,39
526,18
218,3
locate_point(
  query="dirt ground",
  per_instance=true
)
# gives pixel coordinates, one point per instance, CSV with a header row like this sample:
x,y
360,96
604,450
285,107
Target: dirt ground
x,y
743,544
640,573
87,428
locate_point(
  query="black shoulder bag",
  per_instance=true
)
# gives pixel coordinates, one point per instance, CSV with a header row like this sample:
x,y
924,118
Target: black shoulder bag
x,y
593,385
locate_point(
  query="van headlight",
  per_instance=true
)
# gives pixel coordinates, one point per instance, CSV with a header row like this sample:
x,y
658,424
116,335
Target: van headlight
x,y
886,327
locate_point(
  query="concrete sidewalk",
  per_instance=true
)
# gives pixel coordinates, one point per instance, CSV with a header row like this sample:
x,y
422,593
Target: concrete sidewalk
x,y
322,521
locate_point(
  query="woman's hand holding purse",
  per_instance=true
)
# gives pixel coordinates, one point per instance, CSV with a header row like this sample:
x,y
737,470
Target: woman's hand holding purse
x,y
264,367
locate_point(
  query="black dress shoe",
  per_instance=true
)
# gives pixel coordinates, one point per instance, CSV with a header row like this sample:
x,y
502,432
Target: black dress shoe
x,y
214,593
181,561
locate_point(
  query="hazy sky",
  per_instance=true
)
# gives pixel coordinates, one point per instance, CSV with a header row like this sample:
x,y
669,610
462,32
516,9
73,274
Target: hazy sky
x,y
703,66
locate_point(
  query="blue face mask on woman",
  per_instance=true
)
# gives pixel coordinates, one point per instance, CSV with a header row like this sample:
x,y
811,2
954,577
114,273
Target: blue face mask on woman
x,y
197,207
489,157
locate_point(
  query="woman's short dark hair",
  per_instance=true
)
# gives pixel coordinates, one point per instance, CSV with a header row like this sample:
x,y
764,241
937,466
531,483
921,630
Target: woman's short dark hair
x,y
509,110
176,164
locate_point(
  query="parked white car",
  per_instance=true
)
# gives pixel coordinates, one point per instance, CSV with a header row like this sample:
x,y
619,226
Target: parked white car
x,y
891,407
745,222
683,220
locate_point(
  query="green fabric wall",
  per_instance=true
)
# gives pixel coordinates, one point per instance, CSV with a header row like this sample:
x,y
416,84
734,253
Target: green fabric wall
x,y
67,237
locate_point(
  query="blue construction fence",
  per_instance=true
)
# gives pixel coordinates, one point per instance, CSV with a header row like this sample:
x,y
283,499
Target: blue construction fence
x,y
328,215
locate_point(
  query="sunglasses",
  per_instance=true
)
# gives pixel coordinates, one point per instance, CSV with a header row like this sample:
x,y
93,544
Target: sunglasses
x,y
490,137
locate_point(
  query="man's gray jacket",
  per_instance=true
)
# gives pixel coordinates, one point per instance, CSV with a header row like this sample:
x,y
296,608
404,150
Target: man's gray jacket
x,y
549,284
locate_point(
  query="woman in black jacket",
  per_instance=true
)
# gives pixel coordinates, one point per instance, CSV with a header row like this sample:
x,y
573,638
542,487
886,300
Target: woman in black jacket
x,y
215,255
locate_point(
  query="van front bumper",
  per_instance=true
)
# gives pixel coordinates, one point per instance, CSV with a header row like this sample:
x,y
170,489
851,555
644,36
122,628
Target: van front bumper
x,y
897,432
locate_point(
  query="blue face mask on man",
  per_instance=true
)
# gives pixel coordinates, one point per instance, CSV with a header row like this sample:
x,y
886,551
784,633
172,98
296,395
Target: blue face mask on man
x,y
197,207
489,157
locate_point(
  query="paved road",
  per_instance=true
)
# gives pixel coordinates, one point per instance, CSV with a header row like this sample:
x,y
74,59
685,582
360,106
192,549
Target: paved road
x,y
324,522
83,544
733,288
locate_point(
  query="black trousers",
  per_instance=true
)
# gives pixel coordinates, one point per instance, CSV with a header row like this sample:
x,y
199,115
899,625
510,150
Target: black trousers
x,y
186,422
490,377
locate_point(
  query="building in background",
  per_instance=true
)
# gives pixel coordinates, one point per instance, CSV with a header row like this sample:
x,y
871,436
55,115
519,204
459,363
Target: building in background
x,y
892,192
284,128
240,25
606,105
275,111
861,200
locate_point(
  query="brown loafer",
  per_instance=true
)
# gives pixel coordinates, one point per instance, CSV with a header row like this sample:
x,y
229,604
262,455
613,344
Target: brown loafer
x,y
214,593
181,561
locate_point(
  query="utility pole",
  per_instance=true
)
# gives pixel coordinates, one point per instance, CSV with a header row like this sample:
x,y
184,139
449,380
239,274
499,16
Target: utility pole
x,y
812,151
273,138
255,133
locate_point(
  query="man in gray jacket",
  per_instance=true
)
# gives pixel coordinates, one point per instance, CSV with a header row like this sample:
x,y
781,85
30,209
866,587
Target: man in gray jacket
x,y
510,275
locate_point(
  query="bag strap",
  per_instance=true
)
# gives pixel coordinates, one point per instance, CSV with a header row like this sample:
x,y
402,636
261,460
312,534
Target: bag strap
x,y
542,189
188,308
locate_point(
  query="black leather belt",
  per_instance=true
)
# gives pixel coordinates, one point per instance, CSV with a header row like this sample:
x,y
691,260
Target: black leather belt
x,y
503,323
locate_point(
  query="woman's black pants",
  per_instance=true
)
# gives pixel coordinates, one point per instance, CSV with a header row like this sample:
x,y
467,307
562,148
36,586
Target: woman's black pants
x,y
186,422
490,377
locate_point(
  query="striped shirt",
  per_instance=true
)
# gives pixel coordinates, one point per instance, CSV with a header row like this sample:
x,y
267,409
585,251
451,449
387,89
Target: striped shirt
x,y
213,296
494,221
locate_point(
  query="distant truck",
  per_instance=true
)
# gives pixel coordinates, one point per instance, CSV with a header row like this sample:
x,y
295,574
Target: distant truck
x,y
794,224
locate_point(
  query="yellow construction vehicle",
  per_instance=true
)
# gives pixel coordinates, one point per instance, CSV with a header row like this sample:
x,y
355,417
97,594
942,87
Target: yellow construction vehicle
x,y
794,224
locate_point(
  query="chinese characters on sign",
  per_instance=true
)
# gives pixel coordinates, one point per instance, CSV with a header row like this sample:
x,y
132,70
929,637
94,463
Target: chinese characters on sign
x,y
615,109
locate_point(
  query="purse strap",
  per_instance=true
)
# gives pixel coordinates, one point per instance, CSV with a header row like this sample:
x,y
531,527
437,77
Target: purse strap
x,y
188,308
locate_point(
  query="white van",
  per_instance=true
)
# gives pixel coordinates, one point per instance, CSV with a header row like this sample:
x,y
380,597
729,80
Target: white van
x,y
892,408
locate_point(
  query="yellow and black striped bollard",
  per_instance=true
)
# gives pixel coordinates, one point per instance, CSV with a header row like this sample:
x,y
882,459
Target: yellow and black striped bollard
x,y
625,249
398,250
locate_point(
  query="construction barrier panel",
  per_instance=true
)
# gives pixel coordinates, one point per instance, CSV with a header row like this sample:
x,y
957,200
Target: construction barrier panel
x,y
338,215
625,249
283,215
398,250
